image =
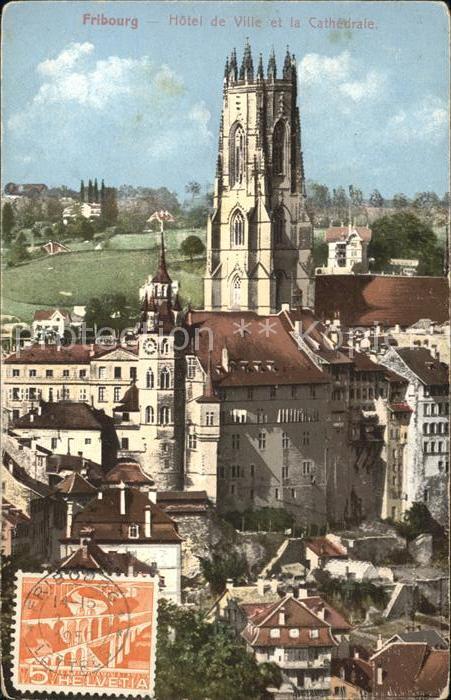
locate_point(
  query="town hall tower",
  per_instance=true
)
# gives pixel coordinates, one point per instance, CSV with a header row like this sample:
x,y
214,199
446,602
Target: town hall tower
x,y
259,236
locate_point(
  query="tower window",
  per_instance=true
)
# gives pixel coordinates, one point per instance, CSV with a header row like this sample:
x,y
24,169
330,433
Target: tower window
x,y
192,441
279,224
149,414
165,415
237,229
278,164
237,155
149,379
165,378
236,292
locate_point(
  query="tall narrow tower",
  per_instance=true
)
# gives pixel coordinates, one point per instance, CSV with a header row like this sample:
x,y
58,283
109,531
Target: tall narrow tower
x,y
259,236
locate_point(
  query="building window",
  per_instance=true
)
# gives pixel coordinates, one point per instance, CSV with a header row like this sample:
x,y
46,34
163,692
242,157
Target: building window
x,y
278,160
235,441
313,392
239,415
274,632
32,373
126,416
88,441
65,373
276,494
192,441
117,372
262,441
124,443
261,418
232,489
133,531
54,443
237,229
250,394
426,495
425,428
285,472
82,373
149,379
314,633
285,441
102,372
272,392
165,346
294,391
237,155
306,437
49,373
251,494
209,418
165,415
293,493
191,371
425,446
278,224
149,414
165,378
132,372
83,395
102,393
252,470
16,372
117,393
306,467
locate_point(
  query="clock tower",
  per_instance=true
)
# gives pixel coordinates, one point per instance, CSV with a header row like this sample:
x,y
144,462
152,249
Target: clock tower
x,y
156,380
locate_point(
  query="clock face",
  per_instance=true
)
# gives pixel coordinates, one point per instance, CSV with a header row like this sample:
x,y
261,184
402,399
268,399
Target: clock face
x,y
149,346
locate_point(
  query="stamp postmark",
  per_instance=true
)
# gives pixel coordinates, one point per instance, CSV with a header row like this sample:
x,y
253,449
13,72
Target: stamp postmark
x,y
85,632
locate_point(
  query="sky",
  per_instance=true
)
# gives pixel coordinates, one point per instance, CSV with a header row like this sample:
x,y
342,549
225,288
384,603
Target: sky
x,y
140,103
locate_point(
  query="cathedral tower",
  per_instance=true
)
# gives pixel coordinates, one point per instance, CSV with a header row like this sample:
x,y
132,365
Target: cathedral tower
x,y
259,236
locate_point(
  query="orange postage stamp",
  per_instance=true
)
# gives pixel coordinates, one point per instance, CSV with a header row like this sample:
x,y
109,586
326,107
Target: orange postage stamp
x,y
85,633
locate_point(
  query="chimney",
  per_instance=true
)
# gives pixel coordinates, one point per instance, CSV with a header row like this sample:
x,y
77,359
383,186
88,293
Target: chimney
x,y
397,328
148,521
130,568
91,350
273,585
99,495
229,584
379,642
58,347
282,617
321,612
261,585
31,417
122,498
39,409
285,307
379,675
152,494
298,327
356,655
69,516
225,359
302,592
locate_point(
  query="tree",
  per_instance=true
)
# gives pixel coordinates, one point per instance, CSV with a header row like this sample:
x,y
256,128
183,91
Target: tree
x,y
320,253
192,246
318,196
404,235
426,201
356,196
82,191
222,567
18,252
8,221
86,230
109,311
400,201
376,199
210,661
109,206
193,188
90,191
340,204
102,192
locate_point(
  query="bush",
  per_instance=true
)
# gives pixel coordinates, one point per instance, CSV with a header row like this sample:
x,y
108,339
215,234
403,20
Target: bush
x,y
222,567
265,519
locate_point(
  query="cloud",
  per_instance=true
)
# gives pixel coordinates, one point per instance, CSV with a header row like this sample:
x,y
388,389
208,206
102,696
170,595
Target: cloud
x,y
427,122
314,68
84,104
370,87
340,76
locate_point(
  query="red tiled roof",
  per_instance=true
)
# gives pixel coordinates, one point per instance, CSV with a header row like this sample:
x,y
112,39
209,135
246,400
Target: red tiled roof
x,y
428,369
129,472
62,355
363,300
411,670
297,616
341,233
103,515
46,314
363,363
400,408
93,557
271,347
433,677
356,671
324,547
75,484
332,616
70,415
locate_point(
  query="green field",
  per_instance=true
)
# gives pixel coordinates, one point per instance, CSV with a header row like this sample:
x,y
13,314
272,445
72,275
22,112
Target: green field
x,y
73,278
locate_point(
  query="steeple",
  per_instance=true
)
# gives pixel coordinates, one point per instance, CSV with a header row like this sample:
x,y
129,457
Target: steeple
x,y
260,72
288,66
233,67
162,275
272,68
247,66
